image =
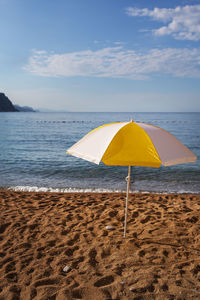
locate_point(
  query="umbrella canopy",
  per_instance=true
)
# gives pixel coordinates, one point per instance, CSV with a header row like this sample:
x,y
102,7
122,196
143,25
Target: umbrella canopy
x,y
131,144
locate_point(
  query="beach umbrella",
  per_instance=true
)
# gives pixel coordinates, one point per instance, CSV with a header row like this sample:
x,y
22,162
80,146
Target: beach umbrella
x,y
131,144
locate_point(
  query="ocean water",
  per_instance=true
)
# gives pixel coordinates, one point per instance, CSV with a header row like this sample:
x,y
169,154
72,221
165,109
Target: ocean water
x,y
33,153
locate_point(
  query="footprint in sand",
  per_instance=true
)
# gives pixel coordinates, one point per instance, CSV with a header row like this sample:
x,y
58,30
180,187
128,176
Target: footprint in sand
x,y
72,241
143,221
105,252
92,255
192,219
12,276
150,288
141,253
113,213
44,282
33,293
104,281
120,269
70,251
15,290
77,262
3,227
196,270
25,262
5,261
77,294
10,267
164,287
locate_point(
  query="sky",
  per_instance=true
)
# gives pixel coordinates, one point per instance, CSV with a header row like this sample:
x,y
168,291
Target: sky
x,y
101,55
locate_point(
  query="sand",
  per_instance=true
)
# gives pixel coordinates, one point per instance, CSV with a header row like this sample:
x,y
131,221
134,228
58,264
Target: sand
x,y
58,246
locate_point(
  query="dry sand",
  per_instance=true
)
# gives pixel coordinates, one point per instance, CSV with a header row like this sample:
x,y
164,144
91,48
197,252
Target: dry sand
x,y
43,233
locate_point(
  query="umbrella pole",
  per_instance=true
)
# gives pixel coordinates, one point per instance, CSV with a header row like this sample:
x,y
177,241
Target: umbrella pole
x,y
127,193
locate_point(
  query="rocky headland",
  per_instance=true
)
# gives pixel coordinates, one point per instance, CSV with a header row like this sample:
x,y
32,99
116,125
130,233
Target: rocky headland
x,y
7,106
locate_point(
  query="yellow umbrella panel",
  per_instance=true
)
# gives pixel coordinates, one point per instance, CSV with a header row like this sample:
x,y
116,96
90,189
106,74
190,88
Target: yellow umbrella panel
x,y
131,146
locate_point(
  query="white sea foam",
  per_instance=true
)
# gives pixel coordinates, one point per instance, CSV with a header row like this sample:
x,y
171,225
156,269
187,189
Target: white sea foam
x,y
90,190
62,190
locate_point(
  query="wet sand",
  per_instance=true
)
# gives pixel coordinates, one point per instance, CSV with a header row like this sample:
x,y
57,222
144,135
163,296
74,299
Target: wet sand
x,y
58,246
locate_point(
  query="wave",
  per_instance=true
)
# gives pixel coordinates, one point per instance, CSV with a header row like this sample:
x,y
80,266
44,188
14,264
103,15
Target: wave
x,y
62,190
91,190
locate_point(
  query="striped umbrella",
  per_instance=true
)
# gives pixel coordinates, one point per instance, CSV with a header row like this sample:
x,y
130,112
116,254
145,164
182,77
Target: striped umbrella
x,y
131,144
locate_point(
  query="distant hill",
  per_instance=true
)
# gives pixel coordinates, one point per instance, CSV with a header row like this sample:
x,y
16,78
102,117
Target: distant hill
x,y
24,108
5,104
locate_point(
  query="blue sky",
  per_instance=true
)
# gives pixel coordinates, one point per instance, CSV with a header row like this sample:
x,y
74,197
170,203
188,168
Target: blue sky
x,y
101,55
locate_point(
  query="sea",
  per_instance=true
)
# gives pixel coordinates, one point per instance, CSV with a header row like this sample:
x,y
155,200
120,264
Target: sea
x,y
33,154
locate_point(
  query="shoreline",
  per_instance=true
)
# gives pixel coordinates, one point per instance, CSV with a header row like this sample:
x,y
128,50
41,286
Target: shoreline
x,y
71,246
35,189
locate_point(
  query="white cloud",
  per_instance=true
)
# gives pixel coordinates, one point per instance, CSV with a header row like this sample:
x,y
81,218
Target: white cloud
x,y
183,22
117,62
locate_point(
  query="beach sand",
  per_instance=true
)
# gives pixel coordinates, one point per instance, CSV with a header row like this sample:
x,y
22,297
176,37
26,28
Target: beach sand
x,y
58,246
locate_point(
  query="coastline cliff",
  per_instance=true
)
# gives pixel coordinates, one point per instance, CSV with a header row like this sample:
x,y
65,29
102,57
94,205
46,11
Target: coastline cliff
x,y
5,104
